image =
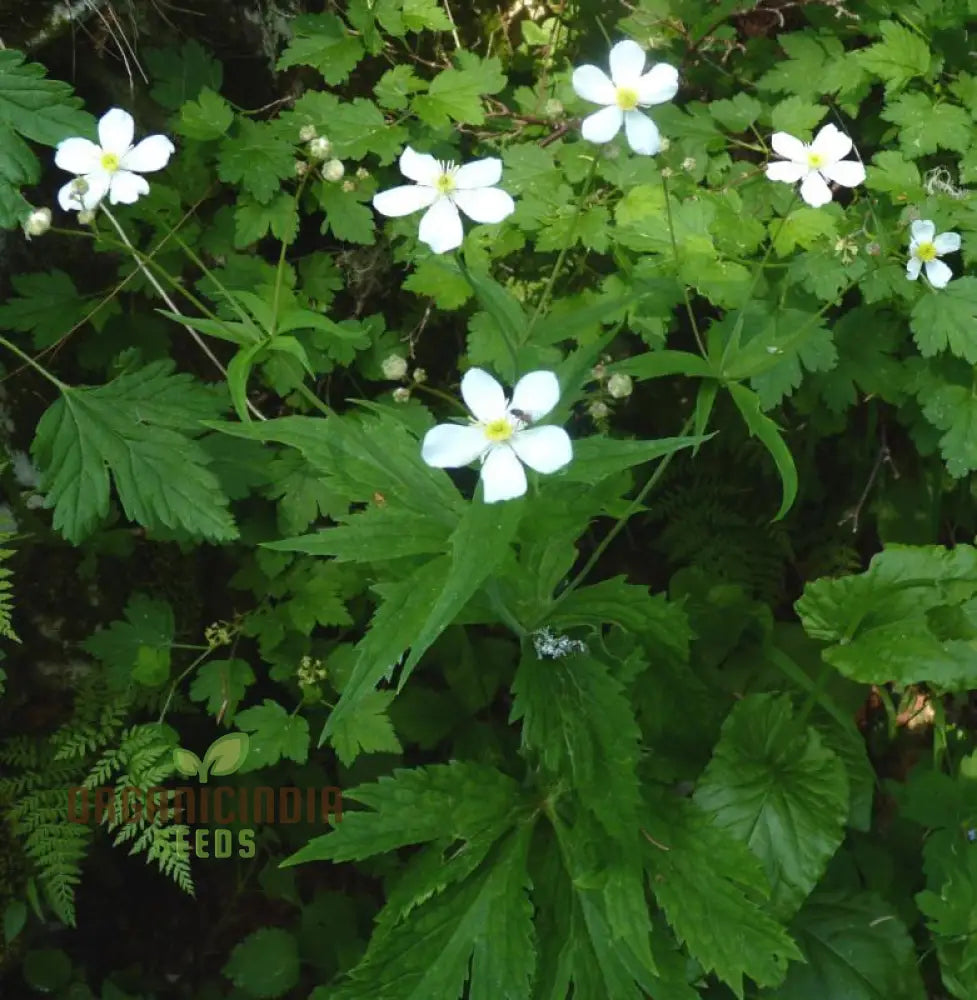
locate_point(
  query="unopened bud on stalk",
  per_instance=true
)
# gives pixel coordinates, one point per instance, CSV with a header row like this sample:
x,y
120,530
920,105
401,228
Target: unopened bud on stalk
x,y
320,147
620,385
38,222
333,171
401,394
394,367
307,133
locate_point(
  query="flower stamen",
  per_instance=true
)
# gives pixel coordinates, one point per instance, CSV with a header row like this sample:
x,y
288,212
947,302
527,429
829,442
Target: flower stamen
x,y
499,430
815,160
627,98
926,251
110,162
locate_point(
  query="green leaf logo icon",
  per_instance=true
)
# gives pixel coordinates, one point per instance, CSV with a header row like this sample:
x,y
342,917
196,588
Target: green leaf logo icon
x,y
224,756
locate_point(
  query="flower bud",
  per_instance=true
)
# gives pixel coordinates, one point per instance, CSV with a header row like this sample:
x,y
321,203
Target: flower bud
x,y
307,133
38,222
689,164
598,371
401,394
420,375
362,173
320,147
349,186
620,385
666,144
599,410
553,108
301,168
333,171
394,367
86,217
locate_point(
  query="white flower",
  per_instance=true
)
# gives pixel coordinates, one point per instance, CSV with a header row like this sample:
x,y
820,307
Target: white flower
x,y
111,167
627,89
38,222
443,188
815,164
499,434
924,248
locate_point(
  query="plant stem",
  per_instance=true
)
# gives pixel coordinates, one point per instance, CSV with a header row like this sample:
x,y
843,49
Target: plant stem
x,y
571,237
30,361
685,290
201,343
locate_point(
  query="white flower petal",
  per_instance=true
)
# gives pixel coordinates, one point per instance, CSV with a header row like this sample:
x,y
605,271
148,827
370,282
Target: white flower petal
x,y
831,143
153,153
937,273
536,393
593,84
403,200
126,188
479,174
814,190
503,477
947,243
913,267
642,132
602,125
78,156
923,231
483,396
848,173
658,85
440,226
115,131
627,63
422,168
786,170
452,446
787,146
544,449
484,204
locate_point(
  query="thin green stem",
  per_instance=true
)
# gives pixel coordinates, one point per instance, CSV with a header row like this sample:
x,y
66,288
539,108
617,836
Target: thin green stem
x,y
685,290
193,666
30,361
632,507
280,269
544,299
441,395
310,397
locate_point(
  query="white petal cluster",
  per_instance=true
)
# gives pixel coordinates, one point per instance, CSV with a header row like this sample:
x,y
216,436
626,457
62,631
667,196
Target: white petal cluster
x,y
444,188
499,434
110,167
925,249
628,88
815,164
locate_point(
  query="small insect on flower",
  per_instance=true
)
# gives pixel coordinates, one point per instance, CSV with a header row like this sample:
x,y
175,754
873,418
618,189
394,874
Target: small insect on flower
x,y
815,164
498,436
112,166
924,249
443,188
622,93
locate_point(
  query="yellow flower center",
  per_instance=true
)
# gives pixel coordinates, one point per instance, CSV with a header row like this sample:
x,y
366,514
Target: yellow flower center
x,y
498,430
445,183
627,98
926,251
815,161
110,162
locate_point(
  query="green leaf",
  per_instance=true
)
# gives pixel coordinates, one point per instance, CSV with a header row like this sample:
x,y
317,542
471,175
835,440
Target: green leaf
x,y
777,787
47,306
762,427
149,627
258,157
947,319
797,116
252,220
265,963
180,74
14,919
366,728
325,43
713,891
135,427
596,457
394,88
208,117
853,946
39,109
346,216
655,364
737,114
925,127
901,56
456,94
911,617
439,278
462,800
47,969
891,173
225,755
275,734
953,409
